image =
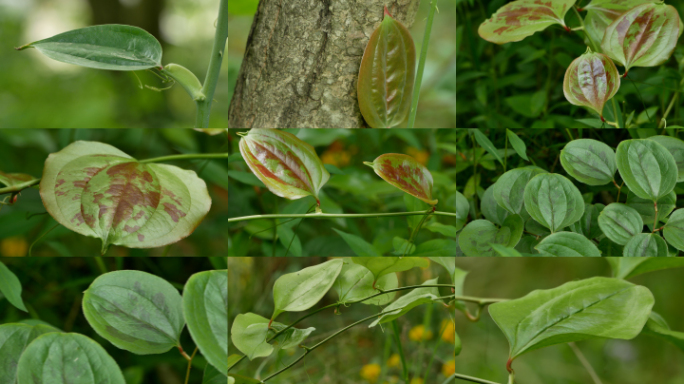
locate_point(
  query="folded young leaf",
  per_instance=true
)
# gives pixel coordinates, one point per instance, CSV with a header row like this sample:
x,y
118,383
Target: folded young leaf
x,y
405,173
288,166
620,223
386,75
644,36
519,19
648,168
407,302
589,161
98,191
646,245
553,201
578,310
591,80
356,282
111,46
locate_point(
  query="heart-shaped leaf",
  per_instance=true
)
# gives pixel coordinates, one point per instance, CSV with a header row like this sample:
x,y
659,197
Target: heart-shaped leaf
x,y
356,282
14,338
98,191
648,168
591,80
205,307
385,85
589,161
381,266
405,173
620,223
407,302
624,268
644,36
646,245
553,201
477,237
135,311
567,244
578,310
509,190
112,46
288,166
674,229
250,334
64,355
676,148
519,19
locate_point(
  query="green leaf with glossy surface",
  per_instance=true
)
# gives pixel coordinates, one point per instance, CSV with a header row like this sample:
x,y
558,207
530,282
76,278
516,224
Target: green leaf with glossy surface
x,y
674,229
14,338
578,310
380,266
205,307
299,291
620,223
110,46
624,268
553,201
666,205
522,18
591,80
135,311
98,191
518,144
355,282
648,168
676,148
509,190
646,245
589,161
67,355
407,302
386,75
405,173
10,287
567,244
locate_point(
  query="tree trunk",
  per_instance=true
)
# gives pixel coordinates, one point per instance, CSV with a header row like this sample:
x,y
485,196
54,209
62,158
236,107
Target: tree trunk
x,y
302,62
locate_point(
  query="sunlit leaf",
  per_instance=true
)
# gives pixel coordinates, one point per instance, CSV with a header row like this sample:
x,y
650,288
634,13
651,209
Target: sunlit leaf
x,y
405,173
288,166
591,80
380,266
385,85
99,191
250,334
519,19
601,13
407,302
355,282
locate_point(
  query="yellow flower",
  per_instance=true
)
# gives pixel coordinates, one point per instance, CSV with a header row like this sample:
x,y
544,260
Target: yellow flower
x,y
449,333
418,333
13,246
393,361
371,372
449,368
416,380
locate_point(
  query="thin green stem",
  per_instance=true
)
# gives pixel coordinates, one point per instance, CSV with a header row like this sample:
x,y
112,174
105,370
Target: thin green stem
x,y
669,107
19,187
397,340
415,231
187,156
336,215
473,379
585,363
591,42
187,374
100,264
212,77
617,121
421,65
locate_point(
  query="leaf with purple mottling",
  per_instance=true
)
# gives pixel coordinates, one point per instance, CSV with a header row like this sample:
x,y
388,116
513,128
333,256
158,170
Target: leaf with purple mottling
x,y
99,191
522,18
405,173
591,80
288,166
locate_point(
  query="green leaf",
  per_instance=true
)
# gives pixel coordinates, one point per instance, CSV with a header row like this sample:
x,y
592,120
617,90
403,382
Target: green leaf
x,y
135,311
522,18
446,230
212,376
449,263
589,161
477,237
385,265
657,326
591,80
625,268
436,247
666,205
12,179
205,307
505,251
626,42
578,310
486,144
250,333
601,13
407,302
553,201
405,173
588,225
518,144
674,229
360,246
299,291
10,287
567,244
402,247
14,338
414,204
646,245
491,210
462,208
355,282
111,46
676,148
509,190
620,223
63,355
98,191
386,75
648,168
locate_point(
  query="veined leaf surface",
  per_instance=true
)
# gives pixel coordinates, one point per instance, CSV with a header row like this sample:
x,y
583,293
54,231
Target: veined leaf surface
x,y
356,282
644,36
620,222
288,166
553,201
601,13
407,302
111,46
646,245
98,191
589,161
386,76
380,266
648,168
676,148
250,334
674,229
405,173
591,80
14,338
519,19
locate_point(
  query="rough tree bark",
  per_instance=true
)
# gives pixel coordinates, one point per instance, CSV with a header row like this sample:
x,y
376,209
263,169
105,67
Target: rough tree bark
x,y
302,62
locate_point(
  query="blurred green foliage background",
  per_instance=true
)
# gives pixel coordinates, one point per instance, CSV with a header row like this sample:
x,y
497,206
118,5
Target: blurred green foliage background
x,y
645,359
37,92
25,151
355,356
358,190
437,104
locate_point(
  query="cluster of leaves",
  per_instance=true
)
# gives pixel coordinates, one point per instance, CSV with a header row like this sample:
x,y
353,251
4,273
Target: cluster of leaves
x,y
557,219
592,308
135,311
356,280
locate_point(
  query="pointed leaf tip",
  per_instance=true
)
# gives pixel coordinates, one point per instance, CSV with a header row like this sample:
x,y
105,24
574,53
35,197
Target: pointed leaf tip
x,y
387,12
